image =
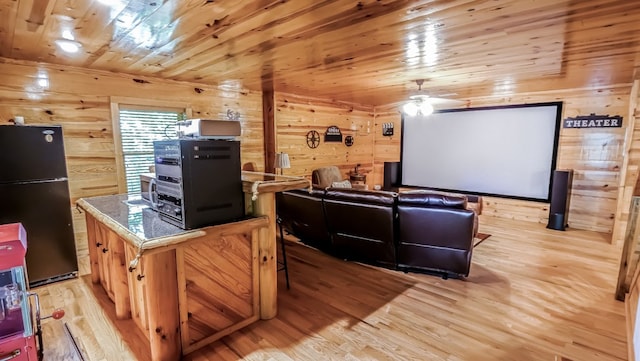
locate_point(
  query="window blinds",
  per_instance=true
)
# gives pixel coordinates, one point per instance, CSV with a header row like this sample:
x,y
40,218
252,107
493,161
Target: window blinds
x,y
138,130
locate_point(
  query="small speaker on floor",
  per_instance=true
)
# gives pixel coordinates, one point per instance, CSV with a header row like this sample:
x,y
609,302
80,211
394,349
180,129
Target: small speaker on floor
x,y
392,175
560,197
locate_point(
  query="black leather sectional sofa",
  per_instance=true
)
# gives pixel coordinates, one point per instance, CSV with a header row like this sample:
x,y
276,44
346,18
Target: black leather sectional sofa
x,y
414,231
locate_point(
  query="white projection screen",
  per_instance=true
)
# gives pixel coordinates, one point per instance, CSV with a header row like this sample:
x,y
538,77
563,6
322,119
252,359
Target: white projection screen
x,y
500,151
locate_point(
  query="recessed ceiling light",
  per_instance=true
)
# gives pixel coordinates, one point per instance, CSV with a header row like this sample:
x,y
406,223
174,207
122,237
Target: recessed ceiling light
x,y
43,82
68,46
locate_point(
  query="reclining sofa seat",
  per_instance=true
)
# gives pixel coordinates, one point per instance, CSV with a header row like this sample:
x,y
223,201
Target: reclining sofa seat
x,y
435,233
301,213
362,224
418,231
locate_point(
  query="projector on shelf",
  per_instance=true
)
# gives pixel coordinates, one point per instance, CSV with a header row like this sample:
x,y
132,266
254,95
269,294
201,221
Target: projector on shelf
x,y
208,128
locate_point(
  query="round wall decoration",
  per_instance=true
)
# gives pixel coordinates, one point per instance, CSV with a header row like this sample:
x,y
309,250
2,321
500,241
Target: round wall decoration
x,y
313,139
348,140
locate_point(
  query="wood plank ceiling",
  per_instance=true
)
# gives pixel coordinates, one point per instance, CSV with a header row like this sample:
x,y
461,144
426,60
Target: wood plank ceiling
x,y
369,51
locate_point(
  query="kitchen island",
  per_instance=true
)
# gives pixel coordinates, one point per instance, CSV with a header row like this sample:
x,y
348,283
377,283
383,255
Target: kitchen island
x,y
187,288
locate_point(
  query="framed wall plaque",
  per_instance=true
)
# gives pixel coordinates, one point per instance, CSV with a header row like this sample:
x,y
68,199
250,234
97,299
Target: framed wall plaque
x,y
333,134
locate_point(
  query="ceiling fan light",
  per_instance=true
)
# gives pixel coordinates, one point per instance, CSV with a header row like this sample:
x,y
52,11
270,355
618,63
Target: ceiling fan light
x,y
68,46
426,108
410,109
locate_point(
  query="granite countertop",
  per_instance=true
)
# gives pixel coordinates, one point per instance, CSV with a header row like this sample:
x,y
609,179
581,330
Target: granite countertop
x,y
133,219
134,214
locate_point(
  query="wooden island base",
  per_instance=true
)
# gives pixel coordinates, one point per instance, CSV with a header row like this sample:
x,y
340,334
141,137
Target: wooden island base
x,y
187,288
186,295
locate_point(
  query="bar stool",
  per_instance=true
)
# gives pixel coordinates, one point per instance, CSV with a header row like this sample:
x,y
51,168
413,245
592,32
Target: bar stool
x,y
282,265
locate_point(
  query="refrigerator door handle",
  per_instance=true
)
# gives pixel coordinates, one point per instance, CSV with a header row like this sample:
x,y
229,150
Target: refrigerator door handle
x,y
37,181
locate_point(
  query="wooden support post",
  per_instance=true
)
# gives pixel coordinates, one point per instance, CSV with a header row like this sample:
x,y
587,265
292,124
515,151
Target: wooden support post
x,y
265,205
269,126
162,301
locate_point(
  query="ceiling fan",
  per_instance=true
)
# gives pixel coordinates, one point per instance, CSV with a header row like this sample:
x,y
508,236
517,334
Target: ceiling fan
x,y
422,103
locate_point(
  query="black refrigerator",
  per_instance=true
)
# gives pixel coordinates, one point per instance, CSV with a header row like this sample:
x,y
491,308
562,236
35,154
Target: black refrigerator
x,y
34,191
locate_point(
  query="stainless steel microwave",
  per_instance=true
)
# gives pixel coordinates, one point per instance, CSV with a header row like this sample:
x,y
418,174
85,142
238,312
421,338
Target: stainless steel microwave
x,y
148,188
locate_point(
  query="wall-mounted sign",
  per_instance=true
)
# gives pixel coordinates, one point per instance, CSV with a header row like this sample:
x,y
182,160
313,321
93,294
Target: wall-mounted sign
x,y
387,129
348,140
333,134
593,121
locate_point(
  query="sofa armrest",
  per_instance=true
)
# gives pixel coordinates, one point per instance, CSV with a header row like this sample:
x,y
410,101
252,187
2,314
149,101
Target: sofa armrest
x,y
475,203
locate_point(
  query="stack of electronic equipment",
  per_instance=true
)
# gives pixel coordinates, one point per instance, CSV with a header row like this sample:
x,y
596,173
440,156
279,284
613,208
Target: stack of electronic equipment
x,y
198,175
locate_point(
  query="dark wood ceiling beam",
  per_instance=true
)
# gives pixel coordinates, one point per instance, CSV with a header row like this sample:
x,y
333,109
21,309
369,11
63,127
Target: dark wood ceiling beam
x,y
269,123
37,14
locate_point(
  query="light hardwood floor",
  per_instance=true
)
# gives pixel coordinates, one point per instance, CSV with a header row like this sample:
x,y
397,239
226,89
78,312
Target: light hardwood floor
x,y
533,294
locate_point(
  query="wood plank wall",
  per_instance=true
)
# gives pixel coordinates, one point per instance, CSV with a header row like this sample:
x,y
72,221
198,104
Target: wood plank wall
x,y
594,154
79,100
296,116
387,149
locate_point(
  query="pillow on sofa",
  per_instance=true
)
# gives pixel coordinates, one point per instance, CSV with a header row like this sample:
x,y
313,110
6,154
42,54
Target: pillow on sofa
x,y
342,184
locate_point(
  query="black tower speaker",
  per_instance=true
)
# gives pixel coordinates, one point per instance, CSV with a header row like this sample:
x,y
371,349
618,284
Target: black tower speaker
x,y
560,196
392,175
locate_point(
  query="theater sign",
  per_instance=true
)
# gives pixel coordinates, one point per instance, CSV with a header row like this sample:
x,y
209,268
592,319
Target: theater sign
x,y
593,121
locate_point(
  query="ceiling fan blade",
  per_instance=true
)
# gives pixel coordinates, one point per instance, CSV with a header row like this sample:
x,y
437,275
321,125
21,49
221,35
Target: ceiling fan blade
x,y
439,101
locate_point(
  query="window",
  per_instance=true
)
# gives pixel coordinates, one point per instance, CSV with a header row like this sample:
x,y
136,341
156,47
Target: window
x,y
138,130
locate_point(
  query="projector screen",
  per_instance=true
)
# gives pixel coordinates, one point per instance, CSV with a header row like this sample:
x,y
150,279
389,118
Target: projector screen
x,y
499,151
